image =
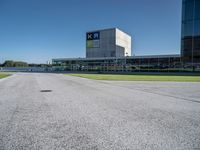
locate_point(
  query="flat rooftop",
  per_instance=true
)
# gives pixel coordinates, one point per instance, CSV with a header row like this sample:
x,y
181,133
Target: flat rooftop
x,y
128,57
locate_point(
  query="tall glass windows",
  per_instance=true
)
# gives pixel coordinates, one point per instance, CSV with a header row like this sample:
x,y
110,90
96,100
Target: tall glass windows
x,y
190,48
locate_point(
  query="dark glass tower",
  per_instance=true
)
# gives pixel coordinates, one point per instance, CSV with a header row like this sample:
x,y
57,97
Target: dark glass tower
x,y
190,38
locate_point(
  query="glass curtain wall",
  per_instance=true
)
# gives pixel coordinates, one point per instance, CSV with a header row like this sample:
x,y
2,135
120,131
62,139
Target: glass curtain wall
x,y
190,43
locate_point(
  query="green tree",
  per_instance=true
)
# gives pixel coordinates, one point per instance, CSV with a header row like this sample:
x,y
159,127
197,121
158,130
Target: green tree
x,y
8,63
11,63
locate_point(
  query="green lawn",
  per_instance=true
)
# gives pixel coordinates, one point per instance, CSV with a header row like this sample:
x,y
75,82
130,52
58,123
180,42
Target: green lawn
x,y
4,75
139,77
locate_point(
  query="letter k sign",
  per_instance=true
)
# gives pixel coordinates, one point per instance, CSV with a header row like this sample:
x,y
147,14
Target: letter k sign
x,y
89,36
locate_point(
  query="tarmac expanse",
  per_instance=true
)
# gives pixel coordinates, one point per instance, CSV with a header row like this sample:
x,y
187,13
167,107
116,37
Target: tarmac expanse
x,y
55,111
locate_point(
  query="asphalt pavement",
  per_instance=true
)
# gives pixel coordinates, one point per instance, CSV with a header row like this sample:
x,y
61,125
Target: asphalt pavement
x,y
55,111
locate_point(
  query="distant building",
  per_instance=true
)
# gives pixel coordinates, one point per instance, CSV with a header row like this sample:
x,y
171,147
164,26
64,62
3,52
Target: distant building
x,y
190,39
107,43
110,50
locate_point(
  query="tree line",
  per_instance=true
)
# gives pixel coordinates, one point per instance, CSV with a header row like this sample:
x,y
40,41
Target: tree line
x,y
11,63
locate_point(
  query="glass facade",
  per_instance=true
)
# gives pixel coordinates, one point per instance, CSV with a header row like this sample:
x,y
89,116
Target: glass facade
x,y
157,63
190,39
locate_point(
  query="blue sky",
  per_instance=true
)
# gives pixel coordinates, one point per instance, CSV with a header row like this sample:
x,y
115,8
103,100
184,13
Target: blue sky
x,y
39,30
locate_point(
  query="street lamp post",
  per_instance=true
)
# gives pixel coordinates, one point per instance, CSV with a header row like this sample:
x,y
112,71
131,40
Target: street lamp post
x,y
125,60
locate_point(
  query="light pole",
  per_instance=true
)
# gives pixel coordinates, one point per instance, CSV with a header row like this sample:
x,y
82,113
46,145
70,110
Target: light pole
x,y
125,60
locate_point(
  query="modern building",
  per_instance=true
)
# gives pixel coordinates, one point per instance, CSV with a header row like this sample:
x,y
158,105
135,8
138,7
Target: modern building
x,y
108,43
110,50
152,63
190,38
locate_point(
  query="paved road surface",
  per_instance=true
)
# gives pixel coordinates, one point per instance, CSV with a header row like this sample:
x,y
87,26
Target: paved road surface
x,y
87,114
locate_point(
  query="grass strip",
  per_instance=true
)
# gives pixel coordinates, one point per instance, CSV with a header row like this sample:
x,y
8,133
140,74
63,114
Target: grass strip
x,y
4,75
115,77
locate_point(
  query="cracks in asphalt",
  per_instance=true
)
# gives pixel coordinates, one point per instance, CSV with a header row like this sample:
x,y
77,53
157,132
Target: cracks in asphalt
x,y
147,91
161,94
